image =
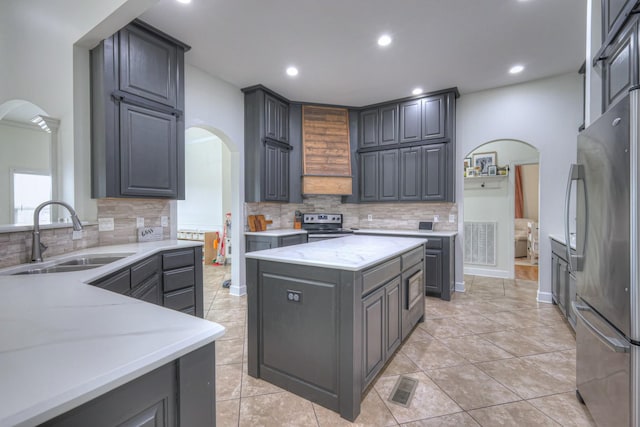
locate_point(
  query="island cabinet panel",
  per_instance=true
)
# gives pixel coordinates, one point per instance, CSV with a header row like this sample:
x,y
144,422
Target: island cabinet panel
x,y
393,314
325,333
373,334
182,392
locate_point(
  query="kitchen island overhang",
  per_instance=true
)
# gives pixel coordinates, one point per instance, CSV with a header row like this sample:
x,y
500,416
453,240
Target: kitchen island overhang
x,y
325,317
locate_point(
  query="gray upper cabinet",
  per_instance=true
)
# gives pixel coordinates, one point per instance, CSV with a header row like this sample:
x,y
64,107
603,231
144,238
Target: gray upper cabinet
x,y
410,121
388,119
410,174
148,144
422,119
379,126
276,119
620,66
148,66
434,172
267,147
137,114
433,116
369,176
369,128
614,13
276,173
388,176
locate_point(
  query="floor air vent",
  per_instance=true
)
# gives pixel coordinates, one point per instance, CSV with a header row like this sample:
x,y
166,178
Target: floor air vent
x,y
403,391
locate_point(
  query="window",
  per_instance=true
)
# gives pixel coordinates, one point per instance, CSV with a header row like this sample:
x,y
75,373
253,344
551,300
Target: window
x,y
29,190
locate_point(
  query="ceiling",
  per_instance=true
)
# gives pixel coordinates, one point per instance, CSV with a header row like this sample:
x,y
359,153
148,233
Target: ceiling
x,y
437,44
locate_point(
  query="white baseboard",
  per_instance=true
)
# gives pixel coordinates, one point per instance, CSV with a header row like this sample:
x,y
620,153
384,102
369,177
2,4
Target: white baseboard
x,y
237,291
546,297
459,287
476,271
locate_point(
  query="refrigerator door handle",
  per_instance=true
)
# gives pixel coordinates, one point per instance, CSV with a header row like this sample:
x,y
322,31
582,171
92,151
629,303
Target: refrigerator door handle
x,y
576,173
615,344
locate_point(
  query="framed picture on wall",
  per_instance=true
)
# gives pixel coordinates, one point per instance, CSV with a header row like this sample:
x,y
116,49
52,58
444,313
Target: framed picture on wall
x,y
482,161
492,170
467,163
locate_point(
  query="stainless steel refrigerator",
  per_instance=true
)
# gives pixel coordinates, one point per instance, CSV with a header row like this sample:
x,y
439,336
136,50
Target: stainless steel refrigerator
x,y
606,265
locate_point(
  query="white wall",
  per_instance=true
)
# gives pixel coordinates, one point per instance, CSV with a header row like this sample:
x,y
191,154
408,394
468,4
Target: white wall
x,y
37,48
495,203
545,114
207,180
218,106
22,148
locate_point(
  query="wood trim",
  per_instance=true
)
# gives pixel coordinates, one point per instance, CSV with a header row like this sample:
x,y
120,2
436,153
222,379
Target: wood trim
x,y
327,185
325,141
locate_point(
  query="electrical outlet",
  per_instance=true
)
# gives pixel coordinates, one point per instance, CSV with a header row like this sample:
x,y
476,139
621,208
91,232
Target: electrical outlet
x,y
452,218
105,224
76,235
139,222
369,217
294,296
436,218
164,221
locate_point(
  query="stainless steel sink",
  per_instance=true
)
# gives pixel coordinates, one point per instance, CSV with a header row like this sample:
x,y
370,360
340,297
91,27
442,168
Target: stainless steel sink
x,y
68,264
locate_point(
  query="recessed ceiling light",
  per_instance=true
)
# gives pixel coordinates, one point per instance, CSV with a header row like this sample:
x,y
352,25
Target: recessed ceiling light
x,y
292,71
516,69
184,1
417,91
384,40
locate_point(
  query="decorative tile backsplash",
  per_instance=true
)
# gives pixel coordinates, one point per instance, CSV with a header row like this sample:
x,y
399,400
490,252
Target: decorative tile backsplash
x,y
15,248
384,215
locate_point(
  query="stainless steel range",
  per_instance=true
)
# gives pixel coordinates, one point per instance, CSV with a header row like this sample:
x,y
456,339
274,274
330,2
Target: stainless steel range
x,y
322,226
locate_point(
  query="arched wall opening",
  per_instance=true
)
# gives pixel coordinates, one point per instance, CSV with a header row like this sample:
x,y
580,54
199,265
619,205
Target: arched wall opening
x,y
210,154
490,229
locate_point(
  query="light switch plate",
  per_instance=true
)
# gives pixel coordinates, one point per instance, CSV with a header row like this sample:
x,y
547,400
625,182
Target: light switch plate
x,y
164,221
452,218
105,224
369,217
76,235
436,218
140,222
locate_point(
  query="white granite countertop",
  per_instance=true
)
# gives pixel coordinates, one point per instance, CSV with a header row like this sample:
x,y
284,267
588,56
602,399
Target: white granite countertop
x,y
352,253
398,232
276,233
63,342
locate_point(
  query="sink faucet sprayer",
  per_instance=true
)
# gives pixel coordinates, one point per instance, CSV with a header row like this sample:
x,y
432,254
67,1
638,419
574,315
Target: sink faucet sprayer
x,y
38,248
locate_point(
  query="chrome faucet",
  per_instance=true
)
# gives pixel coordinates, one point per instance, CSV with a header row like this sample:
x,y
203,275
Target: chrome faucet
x,y
38,248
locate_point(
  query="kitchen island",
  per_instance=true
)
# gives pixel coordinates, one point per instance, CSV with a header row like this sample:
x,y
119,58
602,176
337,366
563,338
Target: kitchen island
x,y
325,317
75,354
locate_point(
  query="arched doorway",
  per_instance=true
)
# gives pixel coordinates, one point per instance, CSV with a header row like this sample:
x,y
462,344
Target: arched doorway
x,y
212,174
500,240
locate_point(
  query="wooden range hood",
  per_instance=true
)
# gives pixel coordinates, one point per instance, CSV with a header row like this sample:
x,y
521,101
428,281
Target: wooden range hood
x,y
326,156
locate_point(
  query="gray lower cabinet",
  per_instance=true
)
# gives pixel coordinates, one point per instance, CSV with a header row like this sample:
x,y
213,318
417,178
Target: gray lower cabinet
x,y
172,279
440,267
137,114
258,243
325,333
180,393
563,282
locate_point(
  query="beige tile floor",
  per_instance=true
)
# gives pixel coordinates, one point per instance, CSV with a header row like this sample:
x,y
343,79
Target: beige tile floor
x,y
492,356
